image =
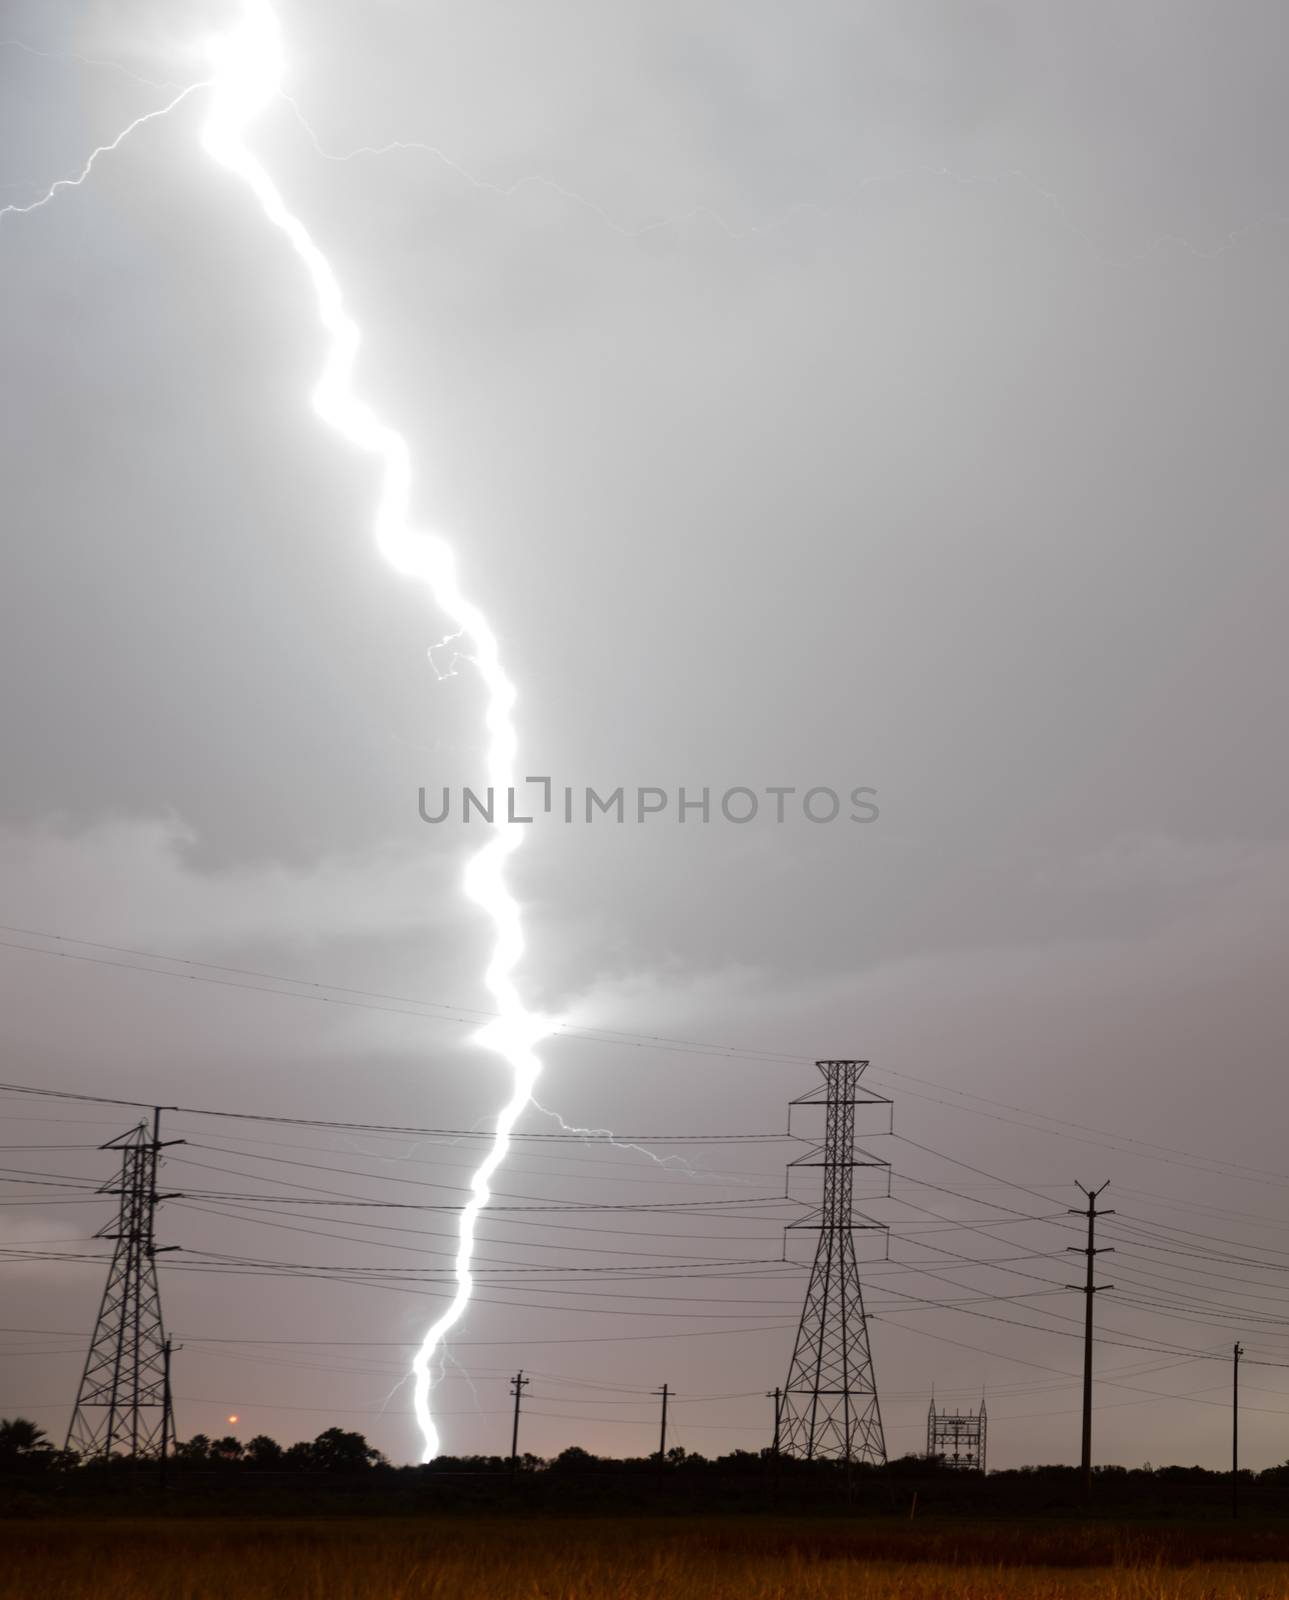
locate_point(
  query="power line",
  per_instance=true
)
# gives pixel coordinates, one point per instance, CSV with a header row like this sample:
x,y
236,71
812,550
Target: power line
x,y
374,999
592,1137
364,999
529,1280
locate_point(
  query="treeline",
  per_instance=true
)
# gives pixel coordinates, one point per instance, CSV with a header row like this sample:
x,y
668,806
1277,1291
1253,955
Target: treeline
x,y
26,1448
334,1450
339,1471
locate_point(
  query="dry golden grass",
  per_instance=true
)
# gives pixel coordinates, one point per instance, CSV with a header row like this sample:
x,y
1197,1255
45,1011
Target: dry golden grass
x,y
498,1559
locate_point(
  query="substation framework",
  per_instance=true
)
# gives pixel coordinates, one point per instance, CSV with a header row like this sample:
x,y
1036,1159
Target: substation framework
x,y
958,1438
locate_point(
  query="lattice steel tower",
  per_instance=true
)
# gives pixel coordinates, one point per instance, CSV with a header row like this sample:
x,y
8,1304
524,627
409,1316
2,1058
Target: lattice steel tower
x,y
123,1405
830,1407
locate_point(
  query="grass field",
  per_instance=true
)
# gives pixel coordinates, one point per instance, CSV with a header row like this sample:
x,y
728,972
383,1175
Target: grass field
x,y
639,1559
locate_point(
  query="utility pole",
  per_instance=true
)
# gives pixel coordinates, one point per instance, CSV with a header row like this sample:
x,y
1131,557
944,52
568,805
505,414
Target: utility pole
x,y
124,1405
1235,1429
776,1458
662,1435
517,1386
167,1411
1089,1289
777,1396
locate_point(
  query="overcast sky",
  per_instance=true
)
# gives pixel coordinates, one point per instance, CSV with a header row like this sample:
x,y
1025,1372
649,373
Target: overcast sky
x,y
885,394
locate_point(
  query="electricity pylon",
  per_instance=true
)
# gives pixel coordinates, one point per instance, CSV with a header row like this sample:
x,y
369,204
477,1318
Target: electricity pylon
x,y
830,1407
123,1405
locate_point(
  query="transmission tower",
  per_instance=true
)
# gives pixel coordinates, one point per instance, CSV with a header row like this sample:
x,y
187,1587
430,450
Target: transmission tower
x,y
123,1405
830,1407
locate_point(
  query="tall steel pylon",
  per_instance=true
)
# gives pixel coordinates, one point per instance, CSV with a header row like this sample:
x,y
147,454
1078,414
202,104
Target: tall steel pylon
x,y
830,1407
123,1405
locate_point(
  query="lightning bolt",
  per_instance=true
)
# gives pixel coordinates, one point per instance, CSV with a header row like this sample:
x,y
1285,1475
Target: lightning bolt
x,y
606,1135
95,155
84,61
1006,178
248,68
1158,241
454,660
449,1359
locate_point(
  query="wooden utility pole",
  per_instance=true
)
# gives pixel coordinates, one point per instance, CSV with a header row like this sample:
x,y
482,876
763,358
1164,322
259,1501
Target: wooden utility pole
x,y
1089,1289
777,1396
166,1412
1237,1352
775,1450
517,1386
662,1436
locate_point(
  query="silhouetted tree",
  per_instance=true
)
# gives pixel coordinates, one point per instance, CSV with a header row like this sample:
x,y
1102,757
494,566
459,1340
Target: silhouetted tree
x,y
337,1450
20,1438
264,1452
